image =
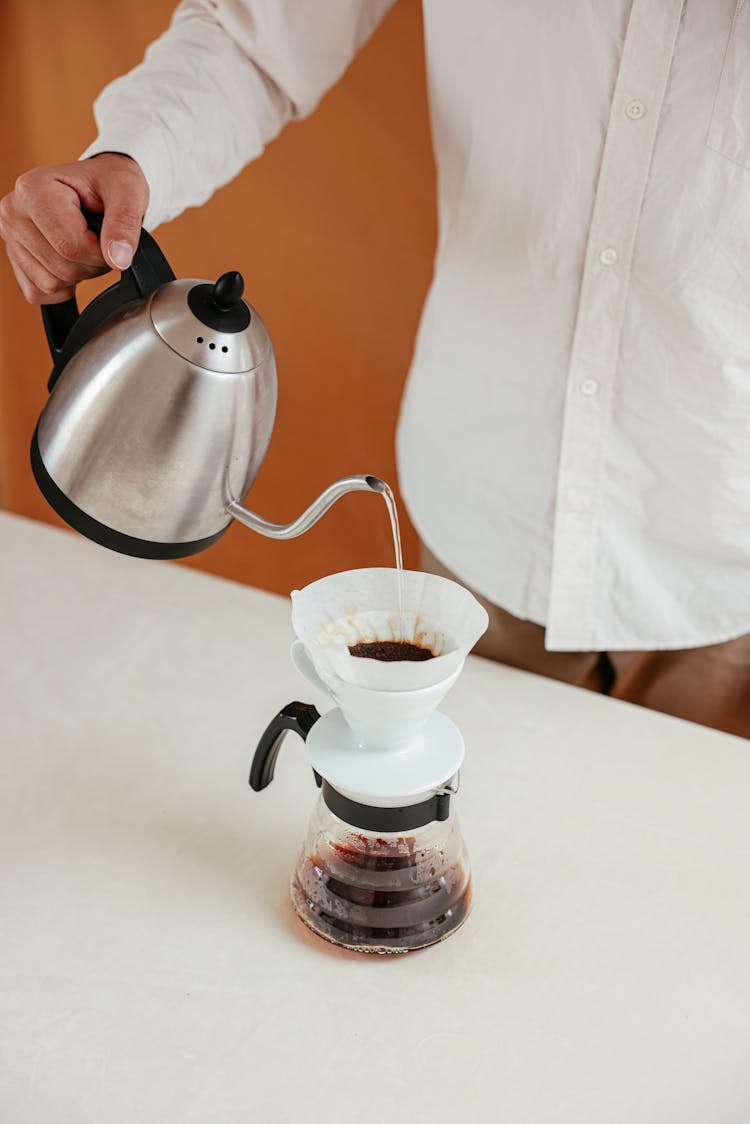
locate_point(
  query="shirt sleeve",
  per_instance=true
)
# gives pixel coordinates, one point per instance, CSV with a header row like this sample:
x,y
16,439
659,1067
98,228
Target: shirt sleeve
x,y
221,83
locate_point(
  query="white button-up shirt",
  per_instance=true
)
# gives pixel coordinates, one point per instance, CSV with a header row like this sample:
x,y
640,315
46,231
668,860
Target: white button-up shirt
x,y
574,440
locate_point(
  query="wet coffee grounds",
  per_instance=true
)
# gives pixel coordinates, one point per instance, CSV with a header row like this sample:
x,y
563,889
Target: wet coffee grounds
x,y
391,650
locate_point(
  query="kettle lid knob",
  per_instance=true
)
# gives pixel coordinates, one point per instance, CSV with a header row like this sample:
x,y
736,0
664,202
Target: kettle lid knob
x,y
220,305
228,290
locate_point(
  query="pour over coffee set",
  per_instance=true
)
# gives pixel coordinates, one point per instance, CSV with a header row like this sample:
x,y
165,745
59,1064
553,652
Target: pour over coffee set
x,y
162,401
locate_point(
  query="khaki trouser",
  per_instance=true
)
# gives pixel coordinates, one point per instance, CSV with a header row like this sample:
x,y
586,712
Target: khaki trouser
x,y
710,685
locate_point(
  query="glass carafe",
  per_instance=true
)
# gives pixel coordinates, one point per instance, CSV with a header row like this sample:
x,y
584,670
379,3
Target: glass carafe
x,y
378,891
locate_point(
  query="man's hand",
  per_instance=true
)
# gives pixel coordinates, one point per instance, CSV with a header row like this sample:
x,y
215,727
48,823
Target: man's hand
x,y
47,240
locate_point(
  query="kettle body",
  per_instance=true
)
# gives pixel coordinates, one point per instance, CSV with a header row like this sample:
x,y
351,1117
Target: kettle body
x,y
142,438
162,404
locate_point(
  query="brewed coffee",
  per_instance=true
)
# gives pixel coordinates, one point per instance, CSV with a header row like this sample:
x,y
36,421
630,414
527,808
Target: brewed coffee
x,y
381,894
390,650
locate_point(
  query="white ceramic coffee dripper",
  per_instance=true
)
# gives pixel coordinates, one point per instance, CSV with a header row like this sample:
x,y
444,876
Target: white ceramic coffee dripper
x,y
401,748
380,720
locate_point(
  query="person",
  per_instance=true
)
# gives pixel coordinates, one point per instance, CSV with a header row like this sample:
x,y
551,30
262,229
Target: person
x,y
583,359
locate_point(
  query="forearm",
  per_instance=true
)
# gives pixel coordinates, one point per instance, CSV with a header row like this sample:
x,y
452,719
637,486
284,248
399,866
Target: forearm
x,y
219,84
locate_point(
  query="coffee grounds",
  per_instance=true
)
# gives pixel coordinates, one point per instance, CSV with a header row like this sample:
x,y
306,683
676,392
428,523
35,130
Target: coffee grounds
x,y
390,650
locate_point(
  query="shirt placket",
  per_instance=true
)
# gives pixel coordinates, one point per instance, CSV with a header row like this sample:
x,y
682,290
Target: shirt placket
x,y
631,134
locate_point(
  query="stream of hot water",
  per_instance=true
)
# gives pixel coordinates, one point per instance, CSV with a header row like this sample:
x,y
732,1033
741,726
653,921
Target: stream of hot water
x,y
390,502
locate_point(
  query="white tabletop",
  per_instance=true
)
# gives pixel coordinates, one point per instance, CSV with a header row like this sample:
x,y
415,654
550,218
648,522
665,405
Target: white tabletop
x,y
153,971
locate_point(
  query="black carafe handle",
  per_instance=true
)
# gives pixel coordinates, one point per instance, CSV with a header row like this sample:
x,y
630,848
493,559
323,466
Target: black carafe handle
x,y
67,330
297,717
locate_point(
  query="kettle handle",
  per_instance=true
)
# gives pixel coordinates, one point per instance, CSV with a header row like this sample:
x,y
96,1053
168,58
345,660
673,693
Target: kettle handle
x,y
148,270
297,717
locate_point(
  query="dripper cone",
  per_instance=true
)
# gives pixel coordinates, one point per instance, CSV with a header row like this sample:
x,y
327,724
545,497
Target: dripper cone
x,y
361,606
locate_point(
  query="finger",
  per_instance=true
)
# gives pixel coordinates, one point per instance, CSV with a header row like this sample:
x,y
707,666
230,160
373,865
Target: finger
x,y
54,207
125,200
124,195
37,284
26,234
23,282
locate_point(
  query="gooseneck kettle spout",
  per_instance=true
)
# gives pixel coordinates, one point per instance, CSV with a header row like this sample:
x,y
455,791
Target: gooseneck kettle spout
x,y
162,402
313,513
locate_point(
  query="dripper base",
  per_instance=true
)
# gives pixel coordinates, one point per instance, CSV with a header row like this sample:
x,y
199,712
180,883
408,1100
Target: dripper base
x,y
421,765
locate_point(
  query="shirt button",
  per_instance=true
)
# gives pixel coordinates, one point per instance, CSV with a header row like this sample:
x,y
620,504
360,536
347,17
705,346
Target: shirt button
x,y
589,387
635,110
608,256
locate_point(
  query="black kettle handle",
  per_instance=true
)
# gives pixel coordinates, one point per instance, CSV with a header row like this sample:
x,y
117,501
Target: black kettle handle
x,y
148,270
297,717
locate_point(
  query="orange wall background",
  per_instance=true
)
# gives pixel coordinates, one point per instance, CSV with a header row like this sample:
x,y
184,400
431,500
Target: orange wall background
x,y
333,229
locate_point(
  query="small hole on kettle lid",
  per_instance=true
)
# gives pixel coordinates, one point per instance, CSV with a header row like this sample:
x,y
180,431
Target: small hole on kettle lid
x,y
199,339
212,346
225,349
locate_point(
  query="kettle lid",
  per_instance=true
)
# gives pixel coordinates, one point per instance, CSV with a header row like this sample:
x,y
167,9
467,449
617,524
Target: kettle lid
x,y
210,325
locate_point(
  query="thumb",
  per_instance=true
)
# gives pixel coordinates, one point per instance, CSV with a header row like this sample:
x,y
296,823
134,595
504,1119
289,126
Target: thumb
x,y
124,205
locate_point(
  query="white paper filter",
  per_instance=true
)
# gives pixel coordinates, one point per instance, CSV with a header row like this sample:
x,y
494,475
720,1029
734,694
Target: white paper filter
x,y
362,605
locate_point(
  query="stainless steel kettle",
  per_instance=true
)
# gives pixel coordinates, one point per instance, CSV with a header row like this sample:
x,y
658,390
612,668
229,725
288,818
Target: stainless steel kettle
x,y
163,396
